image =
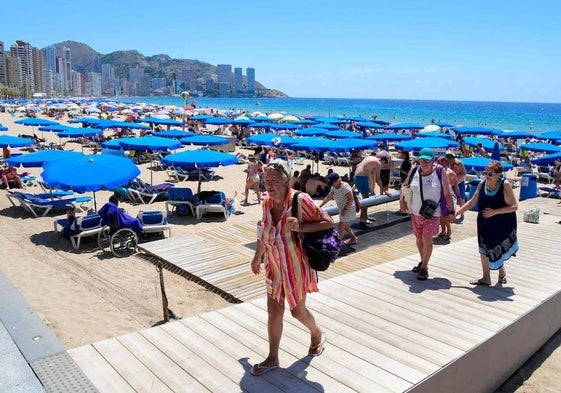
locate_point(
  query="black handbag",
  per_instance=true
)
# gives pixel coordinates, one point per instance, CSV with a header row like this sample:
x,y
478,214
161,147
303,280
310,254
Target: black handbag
x,y
321,247
428,207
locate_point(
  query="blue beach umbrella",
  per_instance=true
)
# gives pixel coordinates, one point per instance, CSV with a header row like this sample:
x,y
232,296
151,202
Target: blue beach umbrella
x,y
444,124
316,144
35,122
349,144
284,126
328,126
496,153
541,148
305,122
86,120
390,137
204,140
55,128
311,131
218,121
488,144
164,122
479,163
39,158
343,134
547,159
518,134
90,173
175,134
420,143
79,132
271,139
112,144
201,117
103,124
144,143
549,135
15,141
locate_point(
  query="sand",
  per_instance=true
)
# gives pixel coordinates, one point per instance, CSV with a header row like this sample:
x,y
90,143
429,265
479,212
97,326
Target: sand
x,y
88,296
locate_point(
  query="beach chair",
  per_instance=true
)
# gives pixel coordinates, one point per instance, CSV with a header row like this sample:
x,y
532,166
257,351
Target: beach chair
x,y
545,172
83,226
39,205
154,221
144,193
215,203
180,199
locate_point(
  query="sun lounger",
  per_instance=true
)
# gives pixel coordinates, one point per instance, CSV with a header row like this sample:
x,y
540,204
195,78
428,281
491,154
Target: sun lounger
x,y
214,203
180,199
42,204
83,226
154,221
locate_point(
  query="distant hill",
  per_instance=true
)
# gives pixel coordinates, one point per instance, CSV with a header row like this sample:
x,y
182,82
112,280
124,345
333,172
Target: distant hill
x,y
85,59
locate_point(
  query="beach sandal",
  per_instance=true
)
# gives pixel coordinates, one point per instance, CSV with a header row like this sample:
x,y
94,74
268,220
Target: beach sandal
x,y
258,369
317,350
423,274
479,282
502,280
350,242
417,269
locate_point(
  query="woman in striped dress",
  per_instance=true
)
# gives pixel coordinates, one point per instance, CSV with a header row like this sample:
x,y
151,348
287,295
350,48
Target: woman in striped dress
x,y
289,277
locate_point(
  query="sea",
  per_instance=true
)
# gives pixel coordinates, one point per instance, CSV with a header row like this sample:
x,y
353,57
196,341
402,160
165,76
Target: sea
x,y
533,117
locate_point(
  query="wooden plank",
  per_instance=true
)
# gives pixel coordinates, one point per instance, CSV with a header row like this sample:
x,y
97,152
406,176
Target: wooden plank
x,y
104,377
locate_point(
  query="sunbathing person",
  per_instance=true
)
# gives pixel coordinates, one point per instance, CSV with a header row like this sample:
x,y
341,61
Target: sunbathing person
x,y
116,218
10,174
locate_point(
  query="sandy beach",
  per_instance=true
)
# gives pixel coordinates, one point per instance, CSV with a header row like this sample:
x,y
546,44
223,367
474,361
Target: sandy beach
x,y
88,295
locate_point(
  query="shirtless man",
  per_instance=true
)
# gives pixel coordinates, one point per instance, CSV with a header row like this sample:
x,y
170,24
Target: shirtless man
x,y
460,170
11,174
367,174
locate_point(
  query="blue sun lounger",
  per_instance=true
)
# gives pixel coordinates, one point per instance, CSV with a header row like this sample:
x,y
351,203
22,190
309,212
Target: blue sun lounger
x,y
41,204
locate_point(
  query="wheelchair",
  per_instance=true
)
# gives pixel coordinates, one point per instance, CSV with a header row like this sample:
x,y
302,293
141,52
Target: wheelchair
x,y
122,242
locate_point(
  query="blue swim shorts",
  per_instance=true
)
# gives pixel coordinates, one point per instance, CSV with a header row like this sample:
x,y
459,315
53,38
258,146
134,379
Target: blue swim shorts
x,y
362,184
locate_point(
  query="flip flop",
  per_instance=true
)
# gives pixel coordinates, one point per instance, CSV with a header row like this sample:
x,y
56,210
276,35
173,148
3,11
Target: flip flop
x,y
479,282
350,242
317,350
502,280
259,370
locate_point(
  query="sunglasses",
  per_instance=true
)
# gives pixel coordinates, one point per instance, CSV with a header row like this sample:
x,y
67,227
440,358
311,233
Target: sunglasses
x,y
490,174
423,161
276,165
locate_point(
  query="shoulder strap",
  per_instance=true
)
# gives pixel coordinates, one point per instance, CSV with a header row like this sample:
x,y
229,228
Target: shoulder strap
x,y
295,205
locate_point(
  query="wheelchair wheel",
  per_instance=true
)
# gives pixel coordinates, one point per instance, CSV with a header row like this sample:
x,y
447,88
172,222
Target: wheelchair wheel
x,y
123,243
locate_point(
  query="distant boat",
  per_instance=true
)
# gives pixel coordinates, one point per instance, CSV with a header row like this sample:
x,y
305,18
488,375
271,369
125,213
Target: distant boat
x,y
257,103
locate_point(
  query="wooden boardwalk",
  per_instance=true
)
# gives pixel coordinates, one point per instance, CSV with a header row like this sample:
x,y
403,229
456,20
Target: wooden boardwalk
x,y
386,331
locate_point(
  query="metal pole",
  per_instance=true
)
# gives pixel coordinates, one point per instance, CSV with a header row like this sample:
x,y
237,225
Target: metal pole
x,y
163,290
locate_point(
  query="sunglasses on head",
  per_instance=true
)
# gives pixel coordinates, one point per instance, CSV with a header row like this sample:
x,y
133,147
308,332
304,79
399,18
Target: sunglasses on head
x,y
276,165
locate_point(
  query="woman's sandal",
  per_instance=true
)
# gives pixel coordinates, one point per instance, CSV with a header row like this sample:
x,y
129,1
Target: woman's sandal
x,y
317,350
502,280
423,274
417,269
259,369
479,282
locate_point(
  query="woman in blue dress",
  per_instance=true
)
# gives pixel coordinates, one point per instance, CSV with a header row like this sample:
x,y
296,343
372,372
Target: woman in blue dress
x,y
496,222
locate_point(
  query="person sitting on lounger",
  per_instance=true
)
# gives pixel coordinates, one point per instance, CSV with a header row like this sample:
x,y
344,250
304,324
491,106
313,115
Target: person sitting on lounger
x,y
10,174
116,218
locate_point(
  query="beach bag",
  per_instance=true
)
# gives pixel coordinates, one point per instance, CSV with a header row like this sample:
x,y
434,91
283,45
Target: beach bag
x,y
407,193
321,248
428,207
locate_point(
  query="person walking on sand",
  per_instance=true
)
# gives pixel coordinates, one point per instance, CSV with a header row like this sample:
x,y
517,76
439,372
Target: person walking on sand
x,y
289,277
367,174
342,193
426,179
253,180
496,222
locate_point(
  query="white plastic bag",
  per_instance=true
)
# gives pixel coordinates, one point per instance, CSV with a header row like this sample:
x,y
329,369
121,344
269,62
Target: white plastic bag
x,y
532,215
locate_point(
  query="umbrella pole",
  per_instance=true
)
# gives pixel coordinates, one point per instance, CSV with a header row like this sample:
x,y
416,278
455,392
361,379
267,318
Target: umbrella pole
x,y
95,202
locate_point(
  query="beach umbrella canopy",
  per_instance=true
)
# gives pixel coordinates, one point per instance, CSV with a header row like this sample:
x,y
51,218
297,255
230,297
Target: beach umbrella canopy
x,y
55,128
39,158
305,121
462,130
488,144
86,120
316,144
103,124
201,158
349,144
369,124
328,126
519,134
444,124
204,140
242,120
421,143
149,143
549,135
547,159
79,132
112,144
165,122
35,122
275,116
218,121
341,134
15,141
434,134
175,134
405,126
289,118
311,131
390,137
479,163
90,173
541,147
284,126
271,139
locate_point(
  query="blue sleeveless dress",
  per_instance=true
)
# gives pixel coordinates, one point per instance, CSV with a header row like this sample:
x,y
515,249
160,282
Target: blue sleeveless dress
x,y
496,235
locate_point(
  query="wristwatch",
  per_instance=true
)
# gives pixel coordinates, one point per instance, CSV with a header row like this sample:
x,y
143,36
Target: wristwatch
x,y
452,212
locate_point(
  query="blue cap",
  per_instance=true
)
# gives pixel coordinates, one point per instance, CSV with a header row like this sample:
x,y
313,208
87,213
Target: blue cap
x,y
426,154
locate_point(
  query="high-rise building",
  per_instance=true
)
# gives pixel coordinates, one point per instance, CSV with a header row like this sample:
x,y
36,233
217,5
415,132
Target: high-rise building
x,y
136,74
2,64
238,80
23,51
13,72
250,80
49,56
93,84
38,66
67,55
224,76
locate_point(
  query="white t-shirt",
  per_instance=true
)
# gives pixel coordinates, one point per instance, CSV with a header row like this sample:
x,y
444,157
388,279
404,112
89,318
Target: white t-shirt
x,y
431,190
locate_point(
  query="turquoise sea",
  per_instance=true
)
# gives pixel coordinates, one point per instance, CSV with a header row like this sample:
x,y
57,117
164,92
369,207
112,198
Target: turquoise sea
x,y
534,117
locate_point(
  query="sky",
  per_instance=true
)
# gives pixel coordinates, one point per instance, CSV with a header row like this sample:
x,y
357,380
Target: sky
x,y
480,50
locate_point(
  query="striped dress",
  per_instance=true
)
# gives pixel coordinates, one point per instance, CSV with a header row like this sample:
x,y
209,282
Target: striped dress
x,y
288,274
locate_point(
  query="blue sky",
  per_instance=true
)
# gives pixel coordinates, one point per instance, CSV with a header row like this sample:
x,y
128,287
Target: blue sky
x,y
494,50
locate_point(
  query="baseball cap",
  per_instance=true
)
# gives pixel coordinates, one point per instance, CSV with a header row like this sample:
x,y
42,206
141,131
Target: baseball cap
x,y
450,154
332,178
426,154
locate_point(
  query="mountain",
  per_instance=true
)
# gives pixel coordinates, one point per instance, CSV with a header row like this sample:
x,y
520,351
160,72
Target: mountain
x,y
85,59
